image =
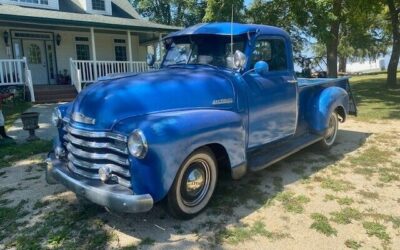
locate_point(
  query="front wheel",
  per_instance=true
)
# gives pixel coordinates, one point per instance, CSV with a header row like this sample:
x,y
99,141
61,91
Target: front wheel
x,y
194,185
331,132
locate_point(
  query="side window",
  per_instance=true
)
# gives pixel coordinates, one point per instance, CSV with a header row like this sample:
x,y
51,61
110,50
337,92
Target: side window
x,y
272,51
82,48
120,50
82,52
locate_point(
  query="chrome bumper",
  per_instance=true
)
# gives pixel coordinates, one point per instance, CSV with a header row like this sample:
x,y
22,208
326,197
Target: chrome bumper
x,y
115,197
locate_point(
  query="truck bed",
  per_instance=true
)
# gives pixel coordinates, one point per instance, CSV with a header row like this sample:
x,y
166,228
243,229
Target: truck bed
x,y
309,88
306,82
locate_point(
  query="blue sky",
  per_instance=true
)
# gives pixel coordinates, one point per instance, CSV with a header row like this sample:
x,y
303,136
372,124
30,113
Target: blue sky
x,y
247,2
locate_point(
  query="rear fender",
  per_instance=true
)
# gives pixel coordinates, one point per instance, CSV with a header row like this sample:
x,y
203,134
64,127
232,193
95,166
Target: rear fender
x,y
329,100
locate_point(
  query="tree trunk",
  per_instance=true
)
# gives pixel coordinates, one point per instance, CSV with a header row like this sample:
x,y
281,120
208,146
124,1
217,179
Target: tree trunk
x,y
332,55
333,41
342,64
394,59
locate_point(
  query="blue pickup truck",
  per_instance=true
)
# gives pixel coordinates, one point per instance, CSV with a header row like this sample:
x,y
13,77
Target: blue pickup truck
x,y
226,97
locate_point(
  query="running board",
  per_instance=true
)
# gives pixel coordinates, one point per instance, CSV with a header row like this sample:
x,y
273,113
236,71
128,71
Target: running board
x,y
272,153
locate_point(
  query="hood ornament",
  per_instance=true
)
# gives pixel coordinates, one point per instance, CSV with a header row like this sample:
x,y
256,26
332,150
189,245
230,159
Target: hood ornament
x,y
79,117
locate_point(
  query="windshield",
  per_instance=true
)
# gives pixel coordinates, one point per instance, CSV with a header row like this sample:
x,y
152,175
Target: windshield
x,y
206,50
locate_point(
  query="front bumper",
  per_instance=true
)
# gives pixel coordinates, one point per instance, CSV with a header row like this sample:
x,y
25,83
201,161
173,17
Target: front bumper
x,y
115,197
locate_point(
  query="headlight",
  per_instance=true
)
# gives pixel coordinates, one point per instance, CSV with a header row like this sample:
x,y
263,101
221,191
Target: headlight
x,y
137,144
56,117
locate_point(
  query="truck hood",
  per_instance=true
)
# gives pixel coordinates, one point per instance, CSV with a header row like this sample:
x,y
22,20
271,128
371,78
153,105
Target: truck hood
x,y
188,87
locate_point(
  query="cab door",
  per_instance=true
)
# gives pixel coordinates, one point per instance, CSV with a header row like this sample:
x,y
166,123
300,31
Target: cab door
x,y
272,96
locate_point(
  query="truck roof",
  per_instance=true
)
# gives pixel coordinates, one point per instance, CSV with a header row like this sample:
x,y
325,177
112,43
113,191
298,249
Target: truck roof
x,y
227,28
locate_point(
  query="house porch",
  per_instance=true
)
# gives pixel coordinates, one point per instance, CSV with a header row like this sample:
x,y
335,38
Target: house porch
x,y
62,55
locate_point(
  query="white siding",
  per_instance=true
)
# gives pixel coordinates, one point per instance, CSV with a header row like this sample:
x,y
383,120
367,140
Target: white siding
x,y
104,47
53,4
67,49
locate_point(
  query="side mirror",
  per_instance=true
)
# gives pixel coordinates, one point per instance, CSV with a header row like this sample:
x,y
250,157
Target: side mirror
x,y
150,59
239,59
261,68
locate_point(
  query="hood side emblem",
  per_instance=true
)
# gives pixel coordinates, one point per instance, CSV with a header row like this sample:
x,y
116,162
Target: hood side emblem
x,y
222,101
79,117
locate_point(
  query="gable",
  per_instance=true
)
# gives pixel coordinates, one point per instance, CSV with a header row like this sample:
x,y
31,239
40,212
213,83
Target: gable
x,y
115,8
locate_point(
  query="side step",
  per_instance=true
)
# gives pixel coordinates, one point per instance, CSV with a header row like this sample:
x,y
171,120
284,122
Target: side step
x,y
272,153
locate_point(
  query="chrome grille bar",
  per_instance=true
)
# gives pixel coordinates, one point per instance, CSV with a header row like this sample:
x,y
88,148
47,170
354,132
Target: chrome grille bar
x,y
95,176
96,145
88,151
94,166
97,156
91,134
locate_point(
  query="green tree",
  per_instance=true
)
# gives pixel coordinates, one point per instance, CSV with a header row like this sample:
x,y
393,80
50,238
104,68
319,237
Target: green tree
x,y
221,10
361,38
328,20
394,17
277,13
175,12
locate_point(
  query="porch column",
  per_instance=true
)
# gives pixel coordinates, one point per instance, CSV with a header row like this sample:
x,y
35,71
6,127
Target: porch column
x,y
94,53
160,45
128,33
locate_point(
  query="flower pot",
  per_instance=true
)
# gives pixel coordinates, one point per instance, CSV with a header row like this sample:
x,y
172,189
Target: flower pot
x,y
30,123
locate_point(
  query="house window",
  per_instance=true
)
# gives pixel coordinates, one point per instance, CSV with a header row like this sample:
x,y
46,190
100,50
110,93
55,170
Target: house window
x,y
120,50
82,48
82,52
98,5
34,54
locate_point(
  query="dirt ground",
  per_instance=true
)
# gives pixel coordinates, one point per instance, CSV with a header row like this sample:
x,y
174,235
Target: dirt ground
x,y
345,198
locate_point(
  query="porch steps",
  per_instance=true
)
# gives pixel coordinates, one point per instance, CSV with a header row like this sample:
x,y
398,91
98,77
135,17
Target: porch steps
x,y
54,93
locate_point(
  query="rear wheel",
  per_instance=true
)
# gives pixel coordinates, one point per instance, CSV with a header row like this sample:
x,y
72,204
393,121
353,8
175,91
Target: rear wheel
x,y
194,185
331,132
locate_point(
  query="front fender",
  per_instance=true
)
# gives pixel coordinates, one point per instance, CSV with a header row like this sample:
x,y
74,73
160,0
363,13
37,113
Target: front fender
x,y
329,100
172,136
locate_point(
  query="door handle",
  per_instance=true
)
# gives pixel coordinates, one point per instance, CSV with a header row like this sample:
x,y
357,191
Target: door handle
x,y
292,81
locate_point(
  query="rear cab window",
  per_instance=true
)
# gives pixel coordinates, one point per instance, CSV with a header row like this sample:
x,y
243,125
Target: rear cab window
x,y
271,51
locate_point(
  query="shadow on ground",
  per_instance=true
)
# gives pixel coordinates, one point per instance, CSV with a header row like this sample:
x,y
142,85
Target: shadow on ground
x,y
232,201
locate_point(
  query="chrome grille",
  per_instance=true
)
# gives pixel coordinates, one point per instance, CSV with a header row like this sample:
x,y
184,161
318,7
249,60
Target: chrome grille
x,y
89,151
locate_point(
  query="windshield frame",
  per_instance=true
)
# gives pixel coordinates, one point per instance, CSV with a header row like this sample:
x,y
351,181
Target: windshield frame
x,y
191,40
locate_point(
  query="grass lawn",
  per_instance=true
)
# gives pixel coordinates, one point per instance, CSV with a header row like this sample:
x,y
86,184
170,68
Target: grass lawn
x,y
12,111
11,152
374,101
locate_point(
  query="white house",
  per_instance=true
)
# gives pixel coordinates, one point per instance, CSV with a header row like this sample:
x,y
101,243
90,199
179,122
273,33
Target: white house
x,y
48,43
369,65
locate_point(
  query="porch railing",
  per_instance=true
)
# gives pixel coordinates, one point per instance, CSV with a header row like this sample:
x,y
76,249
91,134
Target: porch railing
x,y
15,72
83,72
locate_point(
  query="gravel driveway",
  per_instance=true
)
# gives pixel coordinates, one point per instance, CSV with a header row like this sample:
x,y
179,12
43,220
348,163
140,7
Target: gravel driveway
x,y
346,198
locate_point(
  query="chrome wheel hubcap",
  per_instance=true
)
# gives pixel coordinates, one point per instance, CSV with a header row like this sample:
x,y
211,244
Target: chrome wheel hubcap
x,y
331,131
195,183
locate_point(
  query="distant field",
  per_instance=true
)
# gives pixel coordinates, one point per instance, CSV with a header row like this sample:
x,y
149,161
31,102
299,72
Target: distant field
x,y
374,100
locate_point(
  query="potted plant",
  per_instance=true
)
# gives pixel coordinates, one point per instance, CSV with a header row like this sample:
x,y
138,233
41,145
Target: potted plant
x,y
30,123
63,77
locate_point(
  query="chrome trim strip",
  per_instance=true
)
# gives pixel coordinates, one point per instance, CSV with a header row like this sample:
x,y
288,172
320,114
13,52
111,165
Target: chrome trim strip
x,y
84,164
79,117
91,134
95,176
66,119
97,156
96,145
